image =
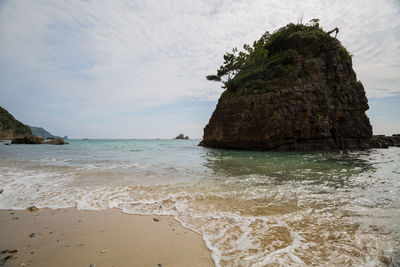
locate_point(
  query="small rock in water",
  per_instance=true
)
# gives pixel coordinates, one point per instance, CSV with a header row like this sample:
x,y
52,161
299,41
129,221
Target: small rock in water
x,y
17,218
57,141
33,208
13,251
5,251
156,220
32,235
159,265
103,251
92,265
1,191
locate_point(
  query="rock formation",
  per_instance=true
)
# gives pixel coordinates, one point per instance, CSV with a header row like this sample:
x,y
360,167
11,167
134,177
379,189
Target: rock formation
x,y
29,139
300,94
383,141
57,141
181,136
10,127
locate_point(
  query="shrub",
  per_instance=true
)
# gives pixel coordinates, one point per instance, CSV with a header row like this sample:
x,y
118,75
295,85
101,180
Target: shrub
x,y
273,57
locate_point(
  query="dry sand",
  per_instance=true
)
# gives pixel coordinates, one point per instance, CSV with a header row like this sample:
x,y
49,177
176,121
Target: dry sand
x,y
69,237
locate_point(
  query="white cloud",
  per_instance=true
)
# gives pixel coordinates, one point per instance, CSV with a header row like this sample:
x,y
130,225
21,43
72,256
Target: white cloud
x,y
105,56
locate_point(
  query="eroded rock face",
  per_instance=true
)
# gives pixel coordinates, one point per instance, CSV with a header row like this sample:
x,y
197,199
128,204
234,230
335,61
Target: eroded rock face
x,y
320,106
29,139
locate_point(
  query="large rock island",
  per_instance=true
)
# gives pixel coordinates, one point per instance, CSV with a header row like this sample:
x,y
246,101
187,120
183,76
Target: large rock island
x,y
294,89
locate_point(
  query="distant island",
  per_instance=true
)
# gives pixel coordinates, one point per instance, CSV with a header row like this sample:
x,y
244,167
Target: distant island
x,y
182,136
294,89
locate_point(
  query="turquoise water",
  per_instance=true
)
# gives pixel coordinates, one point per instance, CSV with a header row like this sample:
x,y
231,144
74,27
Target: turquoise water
x,y
252,208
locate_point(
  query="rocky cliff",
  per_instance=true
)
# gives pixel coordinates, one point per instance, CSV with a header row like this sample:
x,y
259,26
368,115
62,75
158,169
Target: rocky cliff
x,y
300,94
10,127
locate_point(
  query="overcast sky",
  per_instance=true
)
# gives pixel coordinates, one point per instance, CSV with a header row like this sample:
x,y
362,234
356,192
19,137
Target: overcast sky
x,y
136,69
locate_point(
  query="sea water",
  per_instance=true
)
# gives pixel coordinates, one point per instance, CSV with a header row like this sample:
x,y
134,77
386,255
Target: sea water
x,y
251,208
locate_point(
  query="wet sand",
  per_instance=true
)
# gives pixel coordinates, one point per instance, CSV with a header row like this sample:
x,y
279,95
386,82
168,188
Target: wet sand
x,y
69,237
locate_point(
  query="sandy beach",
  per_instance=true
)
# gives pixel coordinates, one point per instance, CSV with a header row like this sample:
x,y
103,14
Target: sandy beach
x,y
70,237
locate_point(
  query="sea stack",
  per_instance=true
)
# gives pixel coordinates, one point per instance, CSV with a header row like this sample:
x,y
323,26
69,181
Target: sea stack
x,y
182,136
294,89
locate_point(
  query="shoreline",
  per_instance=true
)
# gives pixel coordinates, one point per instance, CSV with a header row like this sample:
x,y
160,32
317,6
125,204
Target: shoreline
x,y
71,237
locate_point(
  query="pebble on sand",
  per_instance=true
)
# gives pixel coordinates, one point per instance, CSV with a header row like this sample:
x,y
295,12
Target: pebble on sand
x,y
6,258
33,208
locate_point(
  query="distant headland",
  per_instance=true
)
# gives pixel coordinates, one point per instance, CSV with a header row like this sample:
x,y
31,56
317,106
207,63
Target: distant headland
x,y
13,129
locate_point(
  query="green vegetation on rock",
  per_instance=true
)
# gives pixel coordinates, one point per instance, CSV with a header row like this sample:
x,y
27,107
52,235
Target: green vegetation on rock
x,y
10,127
273,60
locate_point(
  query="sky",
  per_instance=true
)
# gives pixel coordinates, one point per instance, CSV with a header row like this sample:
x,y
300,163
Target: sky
x,y
136,69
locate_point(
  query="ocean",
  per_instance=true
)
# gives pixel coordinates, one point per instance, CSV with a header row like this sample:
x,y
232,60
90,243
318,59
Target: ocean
x,y
252,208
